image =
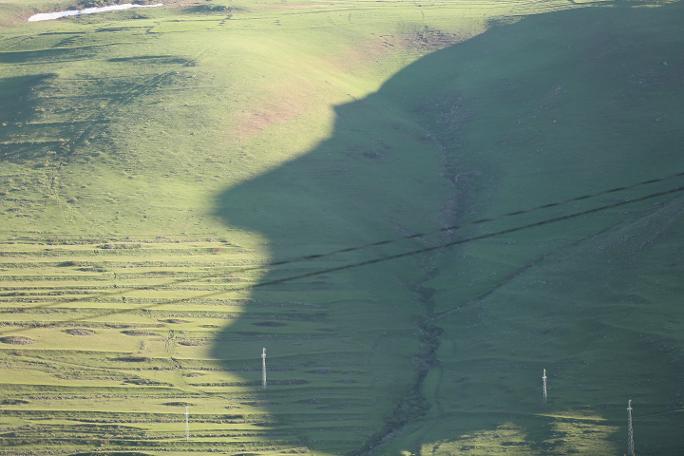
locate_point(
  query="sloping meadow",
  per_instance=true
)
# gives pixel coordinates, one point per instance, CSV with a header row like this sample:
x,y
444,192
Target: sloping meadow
x,y
183,186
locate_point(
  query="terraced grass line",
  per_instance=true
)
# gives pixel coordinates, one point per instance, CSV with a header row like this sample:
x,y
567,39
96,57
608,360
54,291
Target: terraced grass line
x,y
230,440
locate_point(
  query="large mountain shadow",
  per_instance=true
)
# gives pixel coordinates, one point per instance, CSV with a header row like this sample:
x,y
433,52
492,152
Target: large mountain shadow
x,y
543,109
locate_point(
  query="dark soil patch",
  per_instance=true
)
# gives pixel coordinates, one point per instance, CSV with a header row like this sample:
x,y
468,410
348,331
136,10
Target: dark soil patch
x,y
176,404
92,268
79,332
13,402
67,264
132,359
174,321
16,340
208,9
137,332
144,382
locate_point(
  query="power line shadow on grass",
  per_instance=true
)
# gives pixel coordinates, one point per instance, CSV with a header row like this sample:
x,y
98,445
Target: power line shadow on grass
x,y
427,236
308,274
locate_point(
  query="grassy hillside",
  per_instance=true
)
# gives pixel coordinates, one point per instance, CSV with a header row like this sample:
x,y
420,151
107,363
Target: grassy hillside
x,y
161,169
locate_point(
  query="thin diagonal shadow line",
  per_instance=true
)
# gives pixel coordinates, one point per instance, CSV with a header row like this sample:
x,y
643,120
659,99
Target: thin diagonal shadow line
x,y
417,235
377,260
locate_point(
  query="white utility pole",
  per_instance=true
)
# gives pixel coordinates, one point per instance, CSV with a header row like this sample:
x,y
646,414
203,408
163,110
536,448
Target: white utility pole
x,y
187,423
263,368
630,430
545,394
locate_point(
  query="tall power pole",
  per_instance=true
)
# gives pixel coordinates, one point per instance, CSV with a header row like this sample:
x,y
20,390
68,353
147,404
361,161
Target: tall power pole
x,y
630,430
545,393
187,423
263,368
